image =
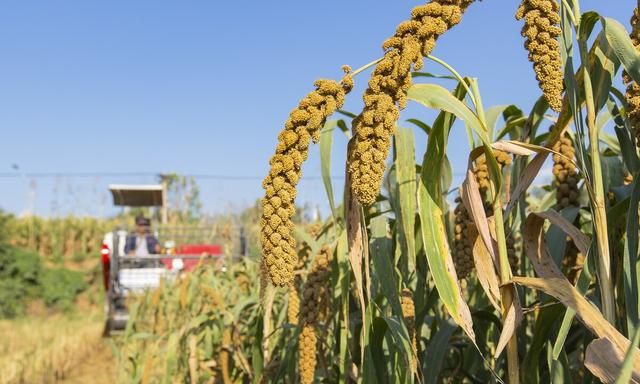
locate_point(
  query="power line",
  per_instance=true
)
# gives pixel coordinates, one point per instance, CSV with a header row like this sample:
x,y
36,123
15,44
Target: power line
x,y
201,176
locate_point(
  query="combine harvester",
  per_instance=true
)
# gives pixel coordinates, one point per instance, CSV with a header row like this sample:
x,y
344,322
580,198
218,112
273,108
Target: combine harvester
x,y
183,248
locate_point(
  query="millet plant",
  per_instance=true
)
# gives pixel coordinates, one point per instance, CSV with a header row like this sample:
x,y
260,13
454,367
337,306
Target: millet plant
x,y
512,276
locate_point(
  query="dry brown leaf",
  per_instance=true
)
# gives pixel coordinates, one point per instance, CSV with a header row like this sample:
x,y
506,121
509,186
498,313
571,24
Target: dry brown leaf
x,y
526,178
513,146
554,283
604,360
589,315
536,249
579,239
485,253
356,243
510,322
472,200
533,167
485,268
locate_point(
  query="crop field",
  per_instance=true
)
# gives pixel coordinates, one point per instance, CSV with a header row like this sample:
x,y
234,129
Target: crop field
x,y
523,270
57,349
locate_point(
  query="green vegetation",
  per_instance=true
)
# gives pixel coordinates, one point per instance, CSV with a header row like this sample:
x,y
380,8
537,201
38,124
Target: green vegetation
x,y
23,278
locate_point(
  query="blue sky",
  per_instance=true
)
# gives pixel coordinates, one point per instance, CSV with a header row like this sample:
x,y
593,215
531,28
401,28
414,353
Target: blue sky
x,y
203,87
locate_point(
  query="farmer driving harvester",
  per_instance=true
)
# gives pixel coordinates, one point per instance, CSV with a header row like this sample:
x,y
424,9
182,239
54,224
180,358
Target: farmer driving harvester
x,y
134,262
142,242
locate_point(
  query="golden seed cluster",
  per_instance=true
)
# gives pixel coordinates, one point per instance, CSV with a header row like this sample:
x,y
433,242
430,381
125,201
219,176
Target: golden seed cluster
x,y
304,254
302,127
409,315
633,89
307,347
462,251
541,30
565,174
462,248
293,308
315,300
387,91
481,169
512,251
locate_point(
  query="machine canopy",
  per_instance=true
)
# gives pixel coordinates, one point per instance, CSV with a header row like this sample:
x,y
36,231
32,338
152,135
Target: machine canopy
x,y
137,195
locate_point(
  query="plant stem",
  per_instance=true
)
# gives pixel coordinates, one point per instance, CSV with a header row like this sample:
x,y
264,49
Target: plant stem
x,y
461,80
506,291
365,67
599,212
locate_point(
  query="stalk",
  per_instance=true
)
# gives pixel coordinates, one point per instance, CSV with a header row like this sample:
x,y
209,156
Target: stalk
x,y
598,201
506,291
505,269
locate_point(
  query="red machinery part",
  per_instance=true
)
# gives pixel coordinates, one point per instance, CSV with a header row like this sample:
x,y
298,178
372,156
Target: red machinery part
x,y
105,253
199,249
209,252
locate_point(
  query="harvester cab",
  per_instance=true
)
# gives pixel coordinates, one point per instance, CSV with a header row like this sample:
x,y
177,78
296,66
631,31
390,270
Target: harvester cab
x,y
180,249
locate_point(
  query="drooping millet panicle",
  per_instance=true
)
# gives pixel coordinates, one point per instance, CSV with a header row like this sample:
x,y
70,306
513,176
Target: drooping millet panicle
x,y
481,170
565,180
387,91
462,251
409,314
462,248
315,301
307,355
565,174
512,251
302,127
293,307
503,158
304,253
633,89
541,30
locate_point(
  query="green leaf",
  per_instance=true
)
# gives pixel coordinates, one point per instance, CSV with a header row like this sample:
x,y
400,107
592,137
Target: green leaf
x,y
438,255
326,142
380,362
436,351
406,179
437,97
618,38
401,339
583,283
631,282
603,66
542,328
381,254
430,200
491,116
420,124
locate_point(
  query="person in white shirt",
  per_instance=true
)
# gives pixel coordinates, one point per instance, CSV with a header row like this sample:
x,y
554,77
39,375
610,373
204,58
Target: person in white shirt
x,y
142,243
